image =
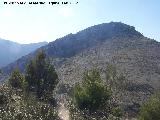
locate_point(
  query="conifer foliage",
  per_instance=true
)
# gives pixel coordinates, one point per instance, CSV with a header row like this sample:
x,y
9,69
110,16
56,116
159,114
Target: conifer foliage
x,y
93,94
41,76
151,109
29,96
17,79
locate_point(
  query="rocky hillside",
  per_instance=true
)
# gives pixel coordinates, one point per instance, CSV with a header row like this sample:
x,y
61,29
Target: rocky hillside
x,y
134,55
11,51
72,44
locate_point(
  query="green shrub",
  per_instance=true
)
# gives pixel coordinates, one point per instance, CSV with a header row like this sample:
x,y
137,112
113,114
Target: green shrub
x,y
17,79
41,76
150,110
116,82
92,94
20,99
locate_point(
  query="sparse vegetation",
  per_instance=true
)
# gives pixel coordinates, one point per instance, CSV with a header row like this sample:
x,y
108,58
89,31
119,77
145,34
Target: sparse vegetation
x,y
151,109
14,105
114,80
21,99
94,98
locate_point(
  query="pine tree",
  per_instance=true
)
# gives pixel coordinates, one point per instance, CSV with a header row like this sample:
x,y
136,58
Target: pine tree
x,y
17,79
92,94
41,76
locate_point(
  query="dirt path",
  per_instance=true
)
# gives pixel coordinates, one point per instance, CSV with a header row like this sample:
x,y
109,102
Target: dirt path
x,y
63,112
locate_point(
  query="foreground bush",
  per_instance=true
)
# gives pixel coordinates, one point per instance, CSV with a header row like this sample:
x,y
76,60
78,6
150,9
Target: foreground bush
x,y
30,97
150,110
14,105
41,76
17,79
93,94
91,98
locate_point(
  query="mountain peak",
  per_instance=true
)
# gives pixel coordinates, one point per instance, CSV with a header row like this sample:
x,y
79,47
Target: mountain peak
x,y
113,29
71,44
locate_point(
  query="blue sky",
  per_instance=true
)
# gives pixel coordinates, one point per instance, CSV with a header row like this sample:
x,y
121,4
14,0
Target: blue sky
x,y
35,23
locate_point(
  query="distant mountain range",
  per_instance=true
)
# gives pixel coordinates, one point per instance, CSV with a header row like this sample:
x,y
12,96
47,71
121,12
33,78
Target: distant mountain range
x,y
109,43
11,51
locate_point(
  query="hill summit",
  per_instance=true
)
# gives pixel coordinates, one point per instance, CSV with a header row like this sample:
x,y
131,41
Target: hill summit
x,y
71,44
